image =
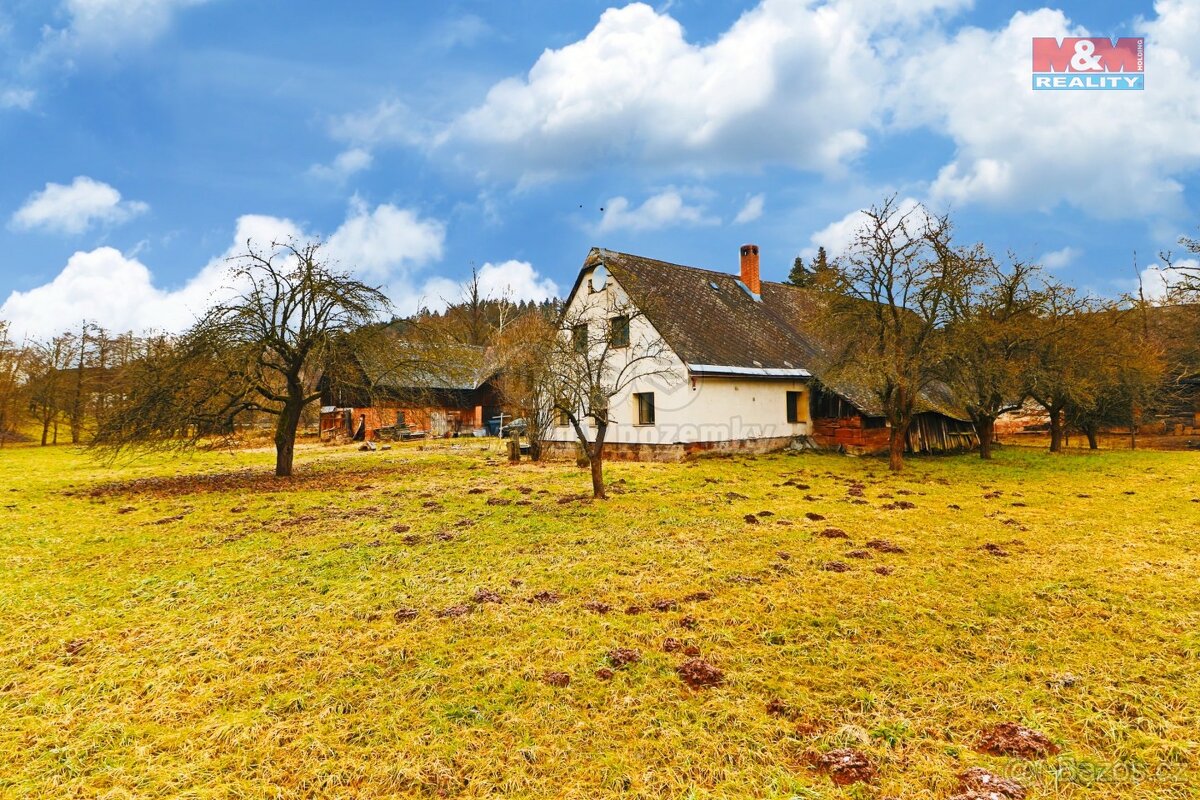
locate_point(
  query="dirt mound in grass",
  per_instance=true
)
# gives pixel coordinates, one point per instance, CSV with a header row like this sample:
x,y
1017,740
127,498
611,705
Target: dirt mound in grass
x,y
545,598
699,674
486,596
1011,739
979,784
454,611
835,566
620,657
844,766
597,606
834,533
993,549
884,546
558,679
405,614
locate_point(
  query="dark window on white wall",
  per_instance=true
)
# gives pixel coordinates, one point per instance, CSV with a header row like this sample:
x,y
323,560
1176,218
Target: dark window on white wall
x,y
795,409
579,337
618,331
645,407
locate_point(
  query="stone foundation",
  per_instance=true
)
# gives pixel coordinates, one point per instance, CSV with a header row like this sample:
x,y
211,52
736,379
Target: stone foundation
x,y
621,451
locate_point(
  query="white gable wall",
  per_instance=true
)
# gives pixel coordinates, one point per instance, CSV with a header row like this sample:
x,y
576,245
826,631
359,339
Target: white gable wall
x,y
688,409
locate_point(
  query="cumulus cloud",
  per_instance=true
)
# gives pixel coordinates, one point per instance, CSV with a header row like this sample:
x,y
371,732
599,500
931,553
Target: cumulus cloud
x,y
751,211
385,245
1057,259
1108,154
837,236
790,82
119,291
74,208
347,163
516,281
1159,281
663,210
382,242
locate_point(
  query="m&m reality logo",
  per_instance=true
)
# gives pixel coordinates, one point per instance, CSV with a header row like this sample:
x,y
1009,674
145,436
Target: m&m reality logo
x,y
1091,63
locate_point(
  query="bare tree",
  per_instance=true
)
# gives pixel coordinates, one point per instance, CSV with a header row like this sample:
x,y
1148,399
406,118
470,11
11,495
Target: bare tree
x,y
602,348
263,351
525,348
895,288
991,335
12,367
47,386
1066,357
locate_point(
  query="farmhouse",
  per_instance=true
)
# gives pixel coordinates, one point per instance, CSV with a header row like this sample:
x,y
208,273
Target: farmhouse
x,y
744,366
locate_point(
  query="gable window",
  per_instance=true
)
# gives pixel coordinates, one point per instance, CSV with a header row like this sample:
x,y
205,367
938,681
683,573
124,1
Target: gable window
x,y
644,403
560,414
797,407
618,331
579,337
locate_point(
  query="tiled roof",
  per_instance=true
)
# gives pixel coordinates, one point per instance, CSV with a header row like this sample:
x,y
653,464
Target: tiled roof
x,y
709,318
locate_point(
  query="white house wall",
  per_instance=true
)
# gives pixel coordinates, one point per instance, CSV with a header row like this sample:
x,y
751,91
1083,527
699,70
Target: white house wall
x,y
687,409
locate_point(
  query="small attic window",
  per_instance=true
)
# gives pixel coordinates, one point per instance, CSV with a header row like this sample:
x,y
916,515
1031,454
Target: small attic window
x,y
713,284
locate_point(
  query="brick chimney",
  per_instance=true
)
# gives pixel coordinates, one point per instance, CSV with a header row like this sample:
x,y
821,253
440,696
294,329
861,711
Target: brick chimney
x,y
750,268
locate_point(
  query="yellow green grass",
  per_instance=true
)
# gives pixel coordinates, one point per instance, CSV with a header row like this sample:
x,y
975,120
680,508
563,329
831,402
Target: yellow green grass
x,y
255,653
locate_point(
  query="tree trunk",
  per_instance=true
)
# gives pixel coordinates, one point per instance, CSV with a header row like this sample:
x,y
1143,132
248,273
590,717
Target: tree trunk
x,y
45,432
986,426
1056,431
1093,444
896,442
597,458
285,439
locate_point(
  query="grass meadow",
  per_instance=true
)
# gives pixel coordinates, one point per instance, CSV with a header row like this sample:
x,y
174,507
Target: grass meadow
x,y
402,624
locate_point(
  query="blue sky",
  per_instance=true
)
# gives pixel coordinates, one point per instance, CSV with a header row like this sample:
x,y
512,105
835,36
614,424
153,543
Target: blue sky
x,y
144,139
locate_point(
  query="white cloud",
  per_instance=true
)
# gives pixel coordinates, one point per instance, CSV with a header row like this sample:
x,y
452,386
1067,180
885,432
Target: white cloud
x,y
75,208
347,163
381,243
462,31
386,245
837,236
1108,154
119,292
790,82
663,210
1158,281
111,25
751,211
515,280
17,98
390,122
1057,259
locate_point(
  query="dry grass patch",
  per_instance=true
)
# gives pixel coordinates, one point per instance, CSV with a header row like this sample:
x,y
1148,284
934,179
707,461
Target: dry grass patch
x,y
339,635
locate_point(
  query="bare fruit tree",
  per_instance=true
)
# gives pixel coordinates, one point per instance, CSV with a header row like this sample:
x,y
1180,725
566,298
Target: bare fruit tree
x,y
602,348
263,351
895,287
